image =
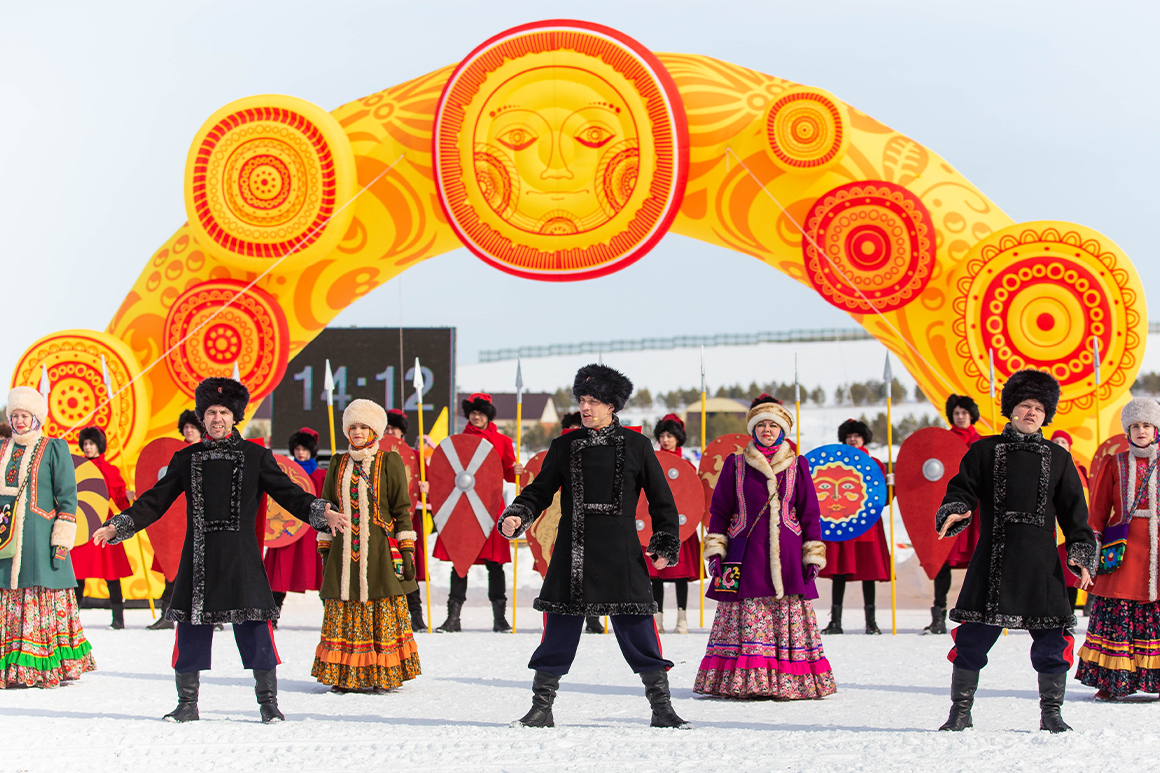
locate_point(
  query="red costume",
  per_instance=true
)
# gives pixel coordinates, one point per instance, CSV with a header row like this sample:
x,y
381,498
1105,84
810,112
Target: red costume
x,y
110,562
965,542
863,558
497,548
297,567
688,561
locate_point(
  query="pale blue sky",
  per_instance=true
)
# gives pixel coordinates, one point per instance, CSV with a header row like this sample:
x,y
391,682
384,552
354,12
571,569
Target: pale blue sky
x,y
1048,107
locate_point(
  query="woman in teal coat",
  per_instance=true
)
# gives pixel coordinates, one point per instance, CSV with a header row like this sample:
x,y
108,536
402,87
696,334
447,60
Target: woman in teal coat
x,y
41,640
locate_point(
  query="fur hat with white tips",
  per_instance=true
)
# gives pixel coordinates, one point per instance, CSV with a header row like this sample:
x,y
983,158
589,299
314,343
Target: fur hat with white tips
x,y
768,407
24,398
365,412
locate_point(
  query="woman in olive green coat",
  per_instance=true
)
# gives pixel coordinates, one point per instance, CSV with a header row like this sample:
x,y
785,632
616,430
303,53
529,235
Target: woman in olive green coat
x,y
41,640
367,644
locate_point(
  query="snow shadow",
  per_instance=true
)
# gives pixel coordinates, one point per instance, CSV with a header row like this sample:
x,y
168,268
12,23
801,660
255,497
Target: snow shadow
x,y
941,691
63,714
565,686
284,685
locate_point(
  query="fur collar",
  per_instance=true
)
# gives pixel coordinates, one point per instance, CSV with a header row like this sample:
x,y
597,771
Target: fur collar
x,y
363,454
606,430
782,459
1148,452
28,439
1013,435
231,440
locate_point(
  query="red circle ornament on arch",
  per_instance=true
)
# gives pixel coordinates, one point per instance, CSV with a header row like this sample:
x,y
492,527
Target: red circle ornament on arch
x,y
927,461
560,150
541,535
77,396
251,331
466,480
166,535
877,246
685,484
283,529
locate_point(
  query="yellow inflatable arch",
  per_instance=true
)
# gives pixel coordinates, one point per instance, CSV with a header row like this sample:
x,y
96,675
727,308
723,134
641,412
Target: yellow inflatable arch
x,y
562,150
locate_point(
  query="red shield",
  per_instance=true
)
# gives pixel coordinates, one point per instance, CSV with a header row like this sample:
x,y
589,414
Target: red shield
x,y
92,499
466,496
411,465
541,535
713,460
687,492
283,529
1104,454
927,461
168,534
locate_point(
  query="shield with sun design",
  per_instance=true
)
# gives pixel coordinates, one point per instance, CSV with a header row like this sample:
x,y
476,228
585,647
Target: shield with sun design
x,y
851,490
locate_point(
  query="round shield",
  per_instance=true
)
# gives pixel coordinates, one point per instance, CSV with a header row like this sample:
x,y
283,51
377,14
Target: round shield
x,y
410,463
167,535
92,499
541,535
851,490
1104,454
927,461
283,529
713,460
466,495
687,493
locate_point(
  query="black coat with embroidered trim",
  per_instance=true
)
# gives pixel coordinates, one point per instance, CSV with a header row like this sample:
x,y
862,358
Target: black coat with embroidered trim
x,y
1023,485
221,578
597,566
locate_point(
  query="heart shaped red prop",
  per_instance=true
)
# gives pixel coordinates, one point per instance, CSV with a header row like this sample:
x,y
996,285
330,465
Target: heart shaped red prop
x,y
168,534
937,451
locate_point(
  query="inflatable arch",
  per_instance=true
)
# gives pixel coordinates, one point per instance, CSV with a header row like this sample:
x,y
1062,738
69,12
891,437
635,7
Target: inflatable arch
x,y
562,150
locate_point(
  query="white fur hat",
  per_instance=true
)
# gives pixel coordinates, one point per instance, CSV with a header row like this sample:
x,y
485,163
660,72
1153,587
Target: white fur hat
x,y
1141,409
766,407
366,412
24,398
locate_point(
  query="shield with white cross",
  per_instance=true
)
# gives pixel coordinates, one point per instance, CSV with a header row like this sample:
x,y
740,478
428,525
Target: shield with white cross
x,y
466,496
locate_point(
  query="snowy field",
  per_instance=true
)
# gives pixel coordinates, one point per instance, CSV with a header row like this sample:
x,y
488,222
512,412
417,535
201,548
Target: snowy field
x,y
892,694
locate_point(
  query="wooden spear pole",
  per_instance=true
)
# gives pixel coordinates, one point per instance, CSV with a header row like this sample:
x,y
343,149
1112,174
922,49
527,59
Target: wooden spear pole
x,y
417,381
1096,368
328,387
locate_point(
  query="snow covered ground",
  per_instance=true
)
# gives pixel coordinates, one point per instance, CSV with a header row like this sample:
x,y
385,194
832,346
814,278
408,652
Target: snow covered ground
x,y
893,693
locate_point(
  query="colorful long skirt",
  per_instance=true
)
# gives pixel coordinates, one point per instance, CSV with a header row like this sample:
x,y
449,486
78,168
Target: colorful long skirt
x,y
41,640
1122,651
765,648
366,645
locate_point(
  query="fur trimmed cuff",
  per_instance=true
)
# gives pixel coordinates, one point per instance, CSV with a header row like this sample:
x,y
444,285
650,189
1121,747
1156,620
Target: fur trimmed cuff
x,y
406,535
524,513
124,525
1085,555
64,531
318,516
664,545
716,545
952,508
814,553
324,540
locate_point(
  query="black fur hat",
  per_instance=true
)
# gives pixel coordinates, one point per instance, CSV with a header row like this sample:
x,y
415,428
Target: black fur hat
x,y
672,424
189,417
396,418
571,420
855,427
964,402
1030,385
221,391
602,383
94,434
478,401
305,437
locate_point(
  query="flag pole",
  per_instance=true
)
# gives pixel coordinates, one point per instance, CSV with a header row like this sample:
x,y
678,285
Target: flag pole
x,y
140,547
701,562
519,447
1096,368
328,387
994,421
797,404
888,377
418,383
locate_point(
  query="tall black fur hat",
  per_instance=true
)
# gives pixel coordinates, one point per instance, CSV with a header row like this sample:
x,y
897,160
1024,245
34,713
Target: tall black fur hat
x,y
305,437
603,383
189,417
1030,385
94,434
479,401
396,418
964,402
672,424
855,427
571,420
221,391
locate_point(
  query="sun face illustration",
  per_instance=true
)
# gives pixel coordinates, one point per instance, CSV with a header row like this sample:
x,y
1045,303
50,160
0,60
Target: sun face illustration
x,y
841,492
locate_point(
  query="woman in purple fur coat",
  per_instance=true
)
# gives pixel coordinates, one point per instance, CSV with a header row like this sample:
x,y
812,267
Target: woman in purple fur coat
x,y
764,550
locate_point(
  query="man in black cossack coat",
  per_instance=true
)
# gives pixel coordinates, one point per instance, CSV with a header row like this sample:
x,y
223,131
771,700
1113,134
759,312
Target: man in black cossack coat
x,y
1022,485
221,578
597,567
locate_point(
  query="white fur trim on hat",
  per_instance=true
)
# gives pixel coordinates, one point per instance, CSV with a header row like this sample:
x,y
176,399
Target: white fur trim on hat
x,y
24,398
366,412
1141,409
771,412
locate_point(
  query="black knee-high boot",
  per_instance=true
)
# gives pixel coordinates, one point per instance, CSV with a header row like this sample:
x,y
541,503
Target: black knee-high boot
x,y
963,686
544,686
188,685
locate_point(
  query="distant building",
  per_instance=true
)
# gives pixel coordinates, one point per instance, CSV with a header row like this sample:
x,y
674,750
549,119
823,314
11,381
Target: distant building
x,y
538,409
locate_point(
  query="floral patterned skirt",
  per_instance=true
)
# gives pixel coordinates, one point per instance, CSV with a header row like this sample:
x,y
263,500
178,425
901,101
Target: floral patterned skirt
x,y
765,648
366,645
41,640
1122,651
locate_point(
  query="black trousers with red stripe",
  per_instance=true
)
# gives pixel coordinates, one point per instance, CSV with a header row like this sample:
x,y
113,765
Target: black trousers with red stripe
x,y
636,635
1051,648
255,640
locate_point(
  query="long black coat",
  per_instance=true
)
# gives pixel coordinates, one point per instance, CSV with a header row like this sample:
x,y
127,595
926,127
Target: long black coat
x,y
221,578
1023,485
597,566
